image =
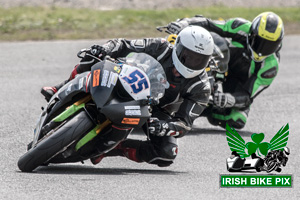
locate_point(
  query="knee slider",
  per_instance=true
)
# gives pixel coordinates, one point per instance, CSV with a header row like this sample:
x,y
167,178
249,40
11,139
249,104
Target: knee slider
x,y
169,151
165,155
236,119
238,124
239,118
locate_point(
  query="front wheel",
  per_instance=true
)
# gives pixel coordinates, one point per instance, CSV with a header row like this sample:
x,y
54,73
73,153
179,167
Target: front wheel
x,y
60,139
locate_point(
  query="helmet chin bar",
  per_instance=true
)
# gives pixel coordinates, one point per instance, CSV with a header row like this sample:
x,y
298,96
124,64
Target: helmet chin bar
x,y
254,56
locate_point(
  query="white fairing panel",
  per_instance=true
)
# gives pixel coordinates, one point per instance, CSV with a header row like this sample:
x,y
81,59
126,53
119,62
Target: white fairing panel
x,y
135,82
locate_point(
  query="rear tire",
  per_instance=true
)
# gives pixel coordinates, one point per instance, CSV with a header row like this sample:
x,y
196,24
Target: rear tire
x,y
61,138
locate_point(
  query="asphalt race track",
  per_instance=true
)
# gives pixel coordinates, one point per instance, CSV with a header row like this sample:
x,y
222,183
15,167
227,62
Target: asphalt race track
x,y
27,66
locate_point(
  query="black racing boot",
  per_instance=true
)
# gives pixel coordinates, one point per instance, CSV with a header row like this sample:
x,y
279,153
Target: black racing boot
x,y
48,92
97,159
127,148
114,152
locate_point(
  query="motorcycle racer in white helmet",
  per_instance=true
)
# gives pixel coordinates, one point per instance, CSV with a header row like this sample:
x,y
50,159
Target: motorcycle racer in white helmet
x,y
192,51
188,90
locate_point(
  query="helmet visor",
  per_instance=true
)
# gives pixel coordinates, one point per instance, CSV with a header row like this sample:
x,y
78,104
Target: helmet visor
x,y
191,59
263,47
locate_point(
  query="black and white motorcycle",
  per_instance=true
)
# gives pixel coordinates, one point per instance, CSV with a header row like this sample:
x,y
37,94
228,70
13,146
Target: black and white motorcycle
x,y
73,123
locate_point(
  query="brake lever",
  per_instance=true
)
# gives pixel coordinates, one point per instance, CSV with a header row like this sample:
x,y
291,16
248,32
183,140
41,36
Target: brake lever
x,y
160,28
82,51
163,28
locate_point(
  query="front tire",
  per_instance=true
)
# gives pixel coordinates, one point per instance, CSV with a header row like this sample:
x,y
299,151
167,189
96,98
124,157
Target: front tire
x,y
61,138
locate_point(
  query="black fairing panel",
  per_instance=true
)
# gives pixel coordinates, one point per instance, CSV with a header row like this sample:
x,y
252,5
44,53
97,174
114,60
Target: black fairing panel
x,y
68,91
104,76
127,114
74,87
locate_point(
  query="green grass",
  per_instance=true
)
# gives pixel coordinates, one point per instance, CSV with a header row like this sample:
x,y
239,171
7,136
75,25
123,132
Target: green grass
x,y
37,23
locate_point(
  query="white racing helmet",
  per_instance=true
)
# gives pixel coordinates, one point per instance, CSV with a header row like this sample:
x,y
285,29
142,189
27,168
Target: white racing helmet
x,y
192,51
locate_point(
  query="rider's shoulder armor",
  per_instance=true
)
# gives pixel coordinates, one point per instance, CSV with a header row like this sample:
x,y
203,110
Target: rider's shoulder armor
x,y
236,28
270,68
199,88
238,22
237,25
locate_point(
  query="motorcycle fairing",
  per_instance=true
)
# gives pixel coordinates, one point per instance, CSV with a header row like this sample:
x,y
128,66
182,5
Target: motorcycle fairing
x,y
103,79
68,91
59,99
135,81
127,114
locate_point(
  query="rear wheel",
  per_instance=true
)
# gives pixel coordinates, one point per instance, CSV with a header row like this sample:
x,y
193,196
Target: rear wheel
x,y
56,142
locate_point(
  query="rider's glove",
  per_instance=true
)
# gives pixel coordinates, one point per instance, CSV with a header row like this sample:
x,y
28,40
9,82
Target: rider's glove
x,y
98,51
164,128
176,27
224,100
158,127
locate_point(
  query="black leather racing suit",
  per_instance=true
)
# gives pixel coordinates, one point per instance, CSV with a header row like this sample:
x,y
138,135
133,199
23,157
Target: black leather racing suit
x,y
191,95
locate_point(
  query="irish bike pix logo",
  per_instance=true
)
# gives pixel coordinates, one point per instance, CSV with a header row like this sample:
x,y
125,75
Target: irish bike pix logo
x,y
257,156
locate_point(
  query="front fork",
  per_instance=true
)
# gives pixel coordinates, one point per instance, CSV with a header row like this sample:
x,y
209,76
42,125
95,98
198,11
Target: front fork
x,y
55,122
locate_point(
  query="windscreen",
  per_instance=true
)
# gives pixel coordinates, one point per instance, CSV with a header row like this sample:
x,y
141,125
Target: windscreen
x,y
154,71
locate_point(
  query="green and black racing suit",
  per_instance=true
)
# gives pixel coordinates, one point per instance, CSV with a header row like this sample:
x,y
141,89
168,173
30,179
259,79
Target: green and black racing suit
x,y
246,78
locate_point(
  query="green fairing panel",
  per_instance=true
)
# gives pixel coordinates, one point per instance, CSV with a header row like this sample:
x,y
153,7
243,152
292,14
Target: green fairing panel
x,y
67,113
261,82
88,137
